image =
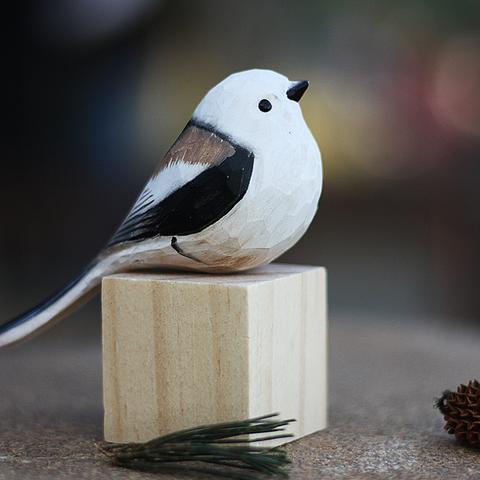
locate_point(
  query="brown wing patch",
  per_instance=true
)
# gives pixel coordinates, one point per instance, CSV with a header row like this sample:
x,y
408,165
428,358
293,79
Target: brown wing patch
x,y
197,145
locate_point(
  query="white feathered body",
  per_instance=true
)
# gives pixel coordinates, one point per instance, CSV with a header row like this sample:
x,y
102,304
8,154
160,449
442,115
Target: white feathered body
x,y
284,189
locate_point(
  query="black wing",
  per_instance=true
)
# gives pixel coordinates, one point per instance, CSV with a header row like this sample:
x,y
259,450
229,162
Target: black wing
x,y
195,205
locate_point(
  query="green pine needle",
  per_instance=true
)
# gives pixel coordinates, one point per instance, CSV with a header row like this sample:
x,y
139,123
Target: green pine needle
x,y
218,446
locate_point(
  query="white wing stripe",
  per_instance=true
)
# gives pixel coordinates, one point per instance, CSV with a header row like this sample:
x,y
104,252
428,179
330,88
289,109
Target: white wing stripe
x,y
171,178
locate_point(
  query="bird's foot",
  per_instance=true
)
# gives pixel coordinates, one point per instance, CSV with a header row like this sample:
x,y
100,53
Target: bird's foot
x,y
179,250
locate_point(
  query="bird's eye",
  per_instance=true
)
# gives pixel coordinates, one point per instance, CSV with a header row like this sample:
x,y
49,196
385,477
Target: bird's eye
x,y
264,105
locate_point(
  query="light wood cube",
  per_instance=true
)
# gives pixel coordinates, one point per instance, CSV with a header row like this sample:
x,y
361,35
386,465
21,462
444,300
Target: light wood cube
x,y
181,350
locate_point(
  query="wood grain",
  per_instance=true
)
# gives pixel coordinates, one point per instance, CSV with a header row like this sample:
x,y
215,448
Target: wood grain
x,y
181,350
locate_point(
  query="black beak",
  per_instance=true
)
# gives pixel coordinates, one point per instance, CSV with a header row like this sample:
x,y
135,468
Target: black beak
x,y
296,91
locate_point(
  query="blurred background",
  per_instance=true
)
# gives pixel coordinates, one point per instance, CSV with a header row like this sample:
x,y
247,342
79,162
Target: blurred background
x,y
101,88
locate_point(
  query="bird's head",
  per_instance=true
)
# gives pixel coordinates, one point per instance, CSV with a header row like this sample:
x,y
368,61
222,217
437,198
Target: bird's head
x,y
255,108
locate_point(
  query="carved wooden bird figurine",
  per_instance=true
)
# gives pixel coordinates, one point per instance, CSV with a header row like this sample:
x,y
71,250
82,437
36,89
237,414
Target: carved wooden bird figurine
x,y
239,186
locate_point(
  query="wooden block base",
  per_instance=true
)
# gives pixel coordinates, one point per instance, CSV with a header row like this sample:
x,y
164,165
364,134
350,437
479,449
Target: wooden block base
x,y
181,350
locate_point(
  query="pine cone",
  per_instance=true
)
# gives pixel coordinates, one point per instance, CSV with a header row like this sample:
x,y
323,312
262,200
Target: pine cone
x,y
461,411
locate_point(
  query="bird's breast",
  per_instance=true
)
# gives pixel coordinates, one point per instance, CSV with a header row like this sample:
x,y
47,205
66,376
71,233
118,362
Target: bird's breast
x,y
276,210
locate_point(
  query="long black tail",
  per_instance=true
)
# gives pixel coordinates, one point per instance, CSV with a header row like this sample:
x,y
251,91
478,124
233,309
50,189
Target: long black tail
x,y
54,308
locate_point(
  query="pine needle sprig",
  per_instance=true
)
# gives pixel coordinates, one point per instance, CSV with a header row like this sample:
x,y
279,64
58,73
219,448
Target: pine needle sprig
x,y
220,446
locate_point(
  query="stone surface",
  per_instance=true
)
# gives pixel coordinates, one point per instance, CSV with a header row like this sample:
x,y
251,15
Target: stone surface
x,y
384,376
